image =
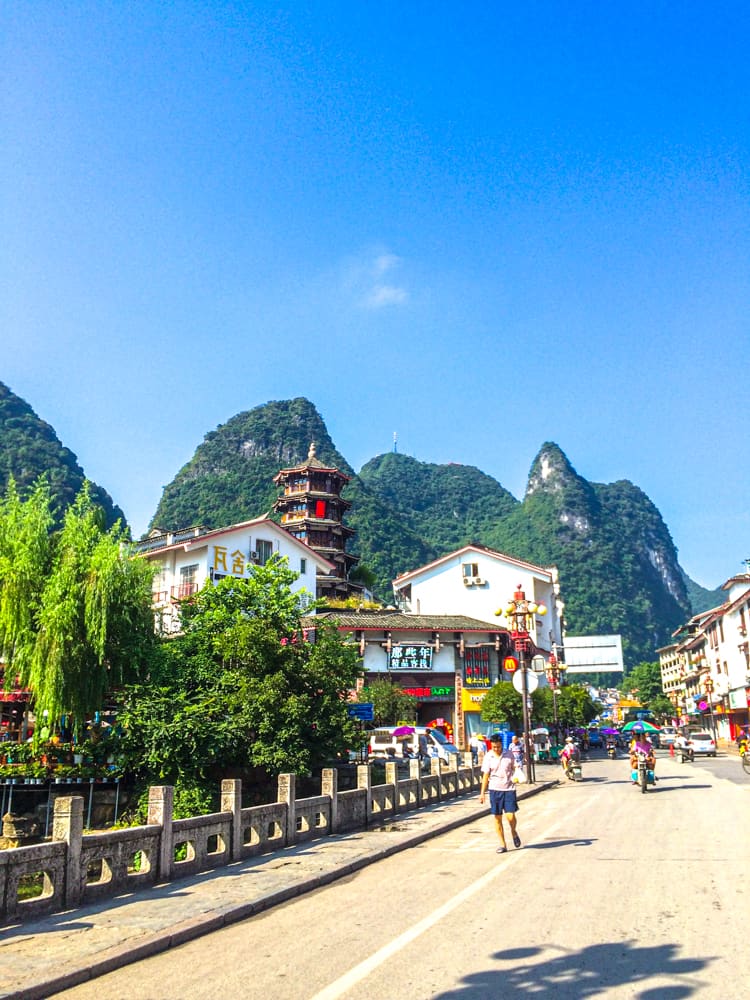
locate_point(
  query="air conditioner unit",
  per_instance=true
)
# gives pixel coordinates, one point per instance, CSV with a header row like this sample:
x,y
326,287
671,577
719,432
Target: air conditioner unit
x,y
253,557
468,580
478,581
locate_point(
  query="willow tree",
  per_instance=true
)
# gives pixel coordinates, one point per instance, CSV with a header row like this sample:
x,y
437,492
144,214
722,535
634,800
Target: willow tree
x,y
75,607
25,557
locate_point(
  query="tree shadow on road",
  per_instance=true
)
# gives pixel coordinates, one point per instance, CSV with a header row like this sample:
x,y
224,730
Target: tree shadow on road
x,y
591,972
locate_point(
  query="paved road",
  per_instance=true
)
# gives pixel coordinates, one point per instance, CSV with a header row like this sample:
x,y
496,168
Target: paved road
x,y
614,894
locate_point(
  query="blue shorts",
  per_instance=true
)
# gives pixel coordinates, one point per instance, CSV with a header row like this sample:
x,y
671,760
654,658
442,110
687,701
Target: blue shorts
x,y
501,802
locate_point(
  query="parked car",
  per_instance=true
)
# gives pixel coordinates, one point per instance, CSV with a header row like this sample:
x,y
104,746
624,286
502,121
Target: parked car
x,y
667,736
420,741
702,743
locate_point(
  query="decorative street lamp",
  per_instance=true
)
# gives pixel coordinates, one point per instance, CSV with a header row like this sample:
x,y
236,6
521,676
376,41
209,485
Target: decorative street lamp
x,y
708,687
555,676
520,614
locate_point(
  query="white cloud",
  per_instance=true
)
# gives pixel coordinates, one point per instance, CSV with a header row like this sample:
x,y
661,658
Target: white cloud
x,y
385,295
371,280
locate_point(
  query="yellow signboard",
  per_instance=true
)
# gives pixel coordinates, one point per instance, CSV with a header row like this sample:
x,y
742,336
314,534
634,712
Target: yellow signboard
x,y
471,699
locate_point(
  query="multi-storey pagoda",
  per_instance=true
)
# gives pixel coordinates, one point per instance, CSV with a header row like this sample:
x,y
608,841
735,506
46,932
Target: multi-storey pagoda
x,y
312,510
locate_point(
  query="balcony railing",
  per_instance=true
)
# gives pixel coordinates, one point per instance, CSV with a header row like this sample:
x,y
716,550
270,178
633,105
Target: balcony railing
x,y
183,590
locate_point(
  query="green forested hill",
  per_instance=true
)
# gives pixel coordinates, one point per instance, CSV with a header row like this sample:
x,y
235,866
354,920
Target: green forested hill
x,y
30,447
702,599
618,565
230,477
448,505
617,562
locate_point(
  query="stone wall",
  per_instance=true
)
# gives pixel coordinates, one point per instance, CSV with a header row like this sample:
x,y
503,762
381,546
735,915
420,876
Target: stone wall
x,y
77,868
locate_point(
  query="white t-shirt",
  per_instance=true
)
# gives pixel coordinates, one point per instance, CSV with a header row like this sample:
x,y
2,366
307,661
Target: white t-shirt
x,y
500,769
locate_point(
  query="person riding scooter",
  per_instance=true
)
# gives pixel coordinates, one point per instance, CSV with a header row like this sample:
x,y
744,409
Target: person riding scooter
x,y
569,754
641,746
611,747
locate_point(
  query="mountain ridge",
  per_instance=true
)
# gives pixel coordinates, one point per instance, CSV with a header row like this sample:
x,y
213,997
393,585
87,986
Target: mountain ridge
x,y
618,565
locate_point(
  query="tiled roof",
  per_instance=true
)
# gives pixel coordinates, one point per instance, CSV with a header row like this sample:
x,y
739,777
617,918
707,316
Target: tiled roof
x,y
311,462
473,547
396,620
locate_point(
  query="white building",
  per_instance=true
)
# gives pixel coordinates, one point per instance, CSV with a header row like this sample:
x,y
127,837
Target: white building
x,y
477,582
706,670
187,559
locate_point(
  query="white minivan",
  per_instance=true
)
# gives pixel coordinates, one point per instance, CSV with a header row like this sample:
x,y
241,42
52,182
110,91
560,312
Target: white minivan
x,y
667,736
384,744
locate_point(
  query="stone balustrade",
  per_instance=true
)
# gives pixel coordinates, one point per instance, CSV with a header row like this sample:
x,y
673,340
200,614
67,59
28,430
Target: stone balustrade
x,y
77,868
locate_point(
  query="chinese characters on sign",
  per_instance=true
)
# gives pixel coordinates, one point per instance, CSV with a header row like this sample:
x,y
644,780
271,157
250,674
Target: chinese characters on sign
x,y
220,561
410,658
425,693
477,667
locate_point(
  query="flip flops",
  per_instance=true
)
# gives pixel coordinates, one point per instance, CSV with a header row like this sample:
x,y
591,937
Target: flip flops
x,y
501,850
516,840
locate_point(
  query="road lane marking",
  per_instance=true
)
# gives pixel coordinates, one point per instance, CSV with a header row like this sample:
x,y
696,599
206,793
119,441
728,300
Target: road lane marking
x,y
359,972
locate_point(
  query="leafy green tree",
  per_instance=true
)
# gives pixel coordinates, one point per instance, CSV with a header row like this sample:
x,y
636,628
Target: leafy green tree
x,y
662,707
242,687
643,682
575,706
502,703
75,609
391,704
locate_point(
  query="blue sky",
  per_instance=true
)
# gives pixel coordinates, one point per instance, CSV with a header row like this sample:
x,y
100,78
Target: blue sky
x,y
480,225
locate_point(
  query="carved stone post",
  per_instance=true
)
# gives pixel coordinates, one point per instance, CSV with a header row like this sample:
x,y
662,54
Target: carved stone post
x,y
330,786
288,795
391,778
364,780
231,801
415,773
67,825
160,813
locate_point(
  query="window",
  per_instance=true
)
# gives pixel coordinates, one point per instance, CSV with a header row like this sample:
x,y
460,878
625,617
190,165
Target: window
x,y
264,549
303,566
470,569
188,580
320,508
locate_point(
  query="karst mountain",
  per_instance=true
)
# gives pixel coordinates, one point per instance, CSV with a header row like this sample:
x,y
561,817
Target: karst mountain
x,y
619,569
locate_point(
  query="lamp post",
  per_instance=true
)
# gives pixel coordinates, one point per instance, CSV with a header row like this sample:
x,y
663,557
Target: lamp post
x,y
708,687
555,675
520,614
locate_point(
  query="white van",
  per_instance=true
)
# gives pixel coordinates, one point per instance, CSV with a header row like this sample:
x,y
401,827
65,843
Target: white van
x,y
423,741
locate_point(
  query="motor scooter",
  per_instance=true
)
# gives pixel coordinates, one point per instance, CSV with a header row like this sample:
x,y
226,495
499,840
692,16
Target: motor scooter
x,y
573,769
686,752
643,775
611,749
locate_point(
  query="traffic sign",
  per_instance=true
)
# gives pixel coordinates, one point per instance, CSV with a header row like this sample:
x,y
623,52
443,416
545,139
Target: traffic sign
x,y
362,710
532,681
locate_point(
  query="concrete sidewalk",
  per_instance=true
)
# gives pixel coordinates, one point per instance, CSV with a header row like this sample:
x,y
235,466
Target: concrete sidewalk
x,y
45,956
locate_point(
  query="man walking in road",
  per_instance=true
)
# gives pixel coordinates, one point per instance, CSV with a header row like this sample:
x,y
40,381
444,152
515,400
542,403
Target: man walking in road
x,y
497,773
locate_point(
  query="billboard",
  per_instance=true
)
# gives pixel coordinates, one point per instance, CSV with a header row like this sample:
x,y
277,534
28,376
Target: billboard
x,y
589,654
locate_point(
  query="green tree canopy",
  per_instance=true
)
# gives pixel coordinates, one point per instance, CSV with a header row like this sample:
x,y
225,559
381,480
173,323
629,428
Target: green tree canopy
x,y
643,682
575,706
75,609
242,687
391,704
